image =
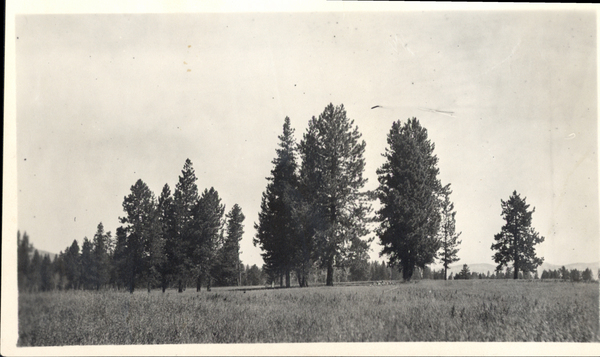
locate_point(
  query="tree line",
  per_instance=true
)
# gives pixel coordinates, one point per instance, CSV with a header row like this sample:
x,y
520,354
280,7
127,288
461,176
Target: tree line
x,y
564,274
40,272
75,269
573,275
314,216
180,239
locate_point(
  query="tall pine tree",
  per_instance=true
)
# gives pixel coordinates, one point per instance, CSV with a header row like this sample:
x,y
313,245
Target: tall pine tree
x,y
229,255
207,237
516,241
24,250
46,282
331,175
73,265
120,260
88,268
184,203
166,216
276,228
408,191
143,234
101,257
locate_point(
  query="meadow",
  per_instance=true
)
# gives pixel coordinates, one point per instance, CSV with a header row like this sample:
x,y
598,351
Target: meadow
x,y
471,310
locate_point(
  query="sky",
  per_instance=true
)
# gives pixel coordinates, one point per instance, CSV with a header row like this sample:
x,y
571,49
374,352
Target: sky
x,y
508,97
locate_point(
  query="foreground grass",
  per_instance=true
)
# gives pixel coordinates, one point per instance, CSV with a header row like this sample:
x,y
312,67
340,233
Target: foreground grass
x,y
484,310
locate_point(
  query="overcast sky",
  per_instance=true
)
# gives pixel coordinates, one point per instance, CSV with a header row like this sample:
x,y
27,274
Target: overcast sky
x,y
104,100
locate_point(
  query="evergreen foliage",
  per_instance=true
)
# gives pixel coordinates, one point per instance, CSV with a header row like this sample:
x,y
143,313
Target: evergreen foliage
x,y
166,217
144,246
464,273
24,250
185,201
207,237
228,272
331,179
409,194
516,241
276,230
448,236
87,264
102,243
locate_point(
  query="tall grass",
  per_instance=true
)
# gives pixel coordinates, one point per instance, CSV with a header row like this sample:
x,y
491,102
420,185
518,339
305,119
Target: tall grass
x,y
484,310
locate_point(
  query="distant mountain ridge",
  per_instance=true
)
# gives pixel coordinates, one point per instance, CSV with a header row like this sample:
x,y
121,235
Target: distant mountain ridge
x,y
579,266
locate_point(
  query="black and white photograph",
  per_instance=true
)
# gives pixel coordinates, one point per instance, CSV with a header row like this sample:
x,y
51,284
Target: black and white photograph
x,y
271,179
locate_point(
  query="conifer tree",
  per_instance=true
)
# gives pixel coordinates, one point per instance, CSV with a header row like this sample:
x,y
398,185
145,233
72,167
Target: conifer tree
x,y
517,239
229,255
563,273
73,265
409,194
60,272
331,179
88,272
207,236
465,273
154,251
24,249
185,201
448,236
166,216
276,227
101,256
119,259
359,265
143,244
35,276
46,274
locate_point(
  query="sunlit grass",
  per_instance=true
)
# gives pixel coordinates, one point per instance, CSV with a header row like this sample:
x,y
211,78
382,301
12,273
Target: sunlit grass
x,y
479,310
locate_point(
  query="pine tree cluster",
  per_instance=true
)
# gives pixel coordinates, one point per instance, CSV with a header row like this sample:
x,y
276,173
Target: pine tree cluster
x,y
313,213
176,240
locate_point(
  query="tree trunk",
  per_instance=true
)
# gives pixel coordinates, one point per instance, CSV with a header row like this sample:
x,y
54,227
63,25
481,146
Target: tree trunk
x,y
445,273
299,277
329,281
179,286
516,274
407,272
132,284
149,288
287,278
198,283
208,284
281,280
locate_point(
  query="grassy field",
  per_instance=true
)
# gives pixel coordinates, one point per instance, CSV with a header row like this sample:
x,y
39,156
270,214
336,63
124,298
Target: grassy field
x,y
475,310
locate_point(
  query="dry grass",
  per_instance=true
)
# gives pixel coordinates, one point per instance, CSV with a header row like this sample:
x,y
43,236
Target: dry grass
x,y
481,310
